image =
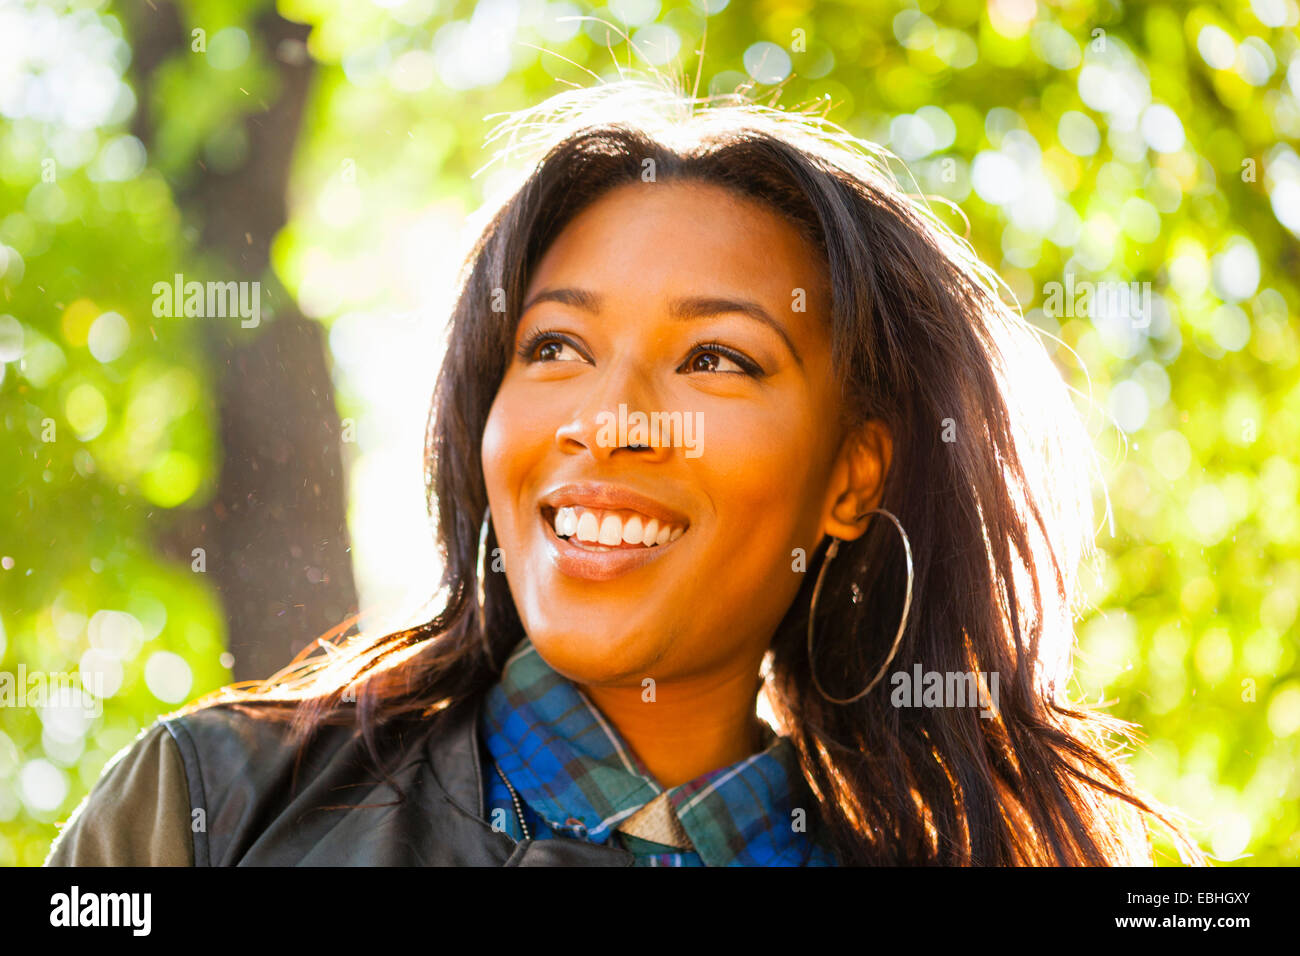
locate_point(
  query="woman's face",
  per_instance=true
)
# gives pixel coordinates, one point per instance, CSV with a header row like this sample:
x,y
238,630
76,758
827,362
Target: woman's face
x,y
706,313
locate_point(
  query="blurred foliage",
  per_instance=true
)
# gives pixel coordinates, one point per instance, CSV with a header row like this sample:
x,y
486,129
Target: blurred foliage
x,y
1151,143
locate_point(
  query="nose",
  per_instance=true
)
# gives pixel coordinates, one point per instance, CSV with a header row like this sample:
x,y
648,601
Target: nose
x,y
605,421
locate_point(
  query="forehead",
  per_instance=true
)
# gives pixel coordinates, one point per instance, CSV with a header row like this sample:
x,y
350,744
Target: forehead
x,y
659,240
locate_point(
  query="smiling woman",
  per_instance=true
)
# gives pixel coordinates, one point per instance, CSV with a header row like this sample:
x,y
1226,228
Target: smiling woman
x,y
588,693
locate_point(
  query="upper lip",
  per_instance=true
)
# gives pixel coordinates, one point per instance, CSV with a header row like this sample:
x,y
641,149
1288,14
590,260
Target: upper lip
x,y
591,494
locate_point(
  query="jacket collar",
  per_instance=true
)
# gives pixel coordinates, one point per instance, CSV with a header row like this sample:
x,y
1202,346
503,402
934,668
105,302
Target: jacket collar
x,y
570,765
454,756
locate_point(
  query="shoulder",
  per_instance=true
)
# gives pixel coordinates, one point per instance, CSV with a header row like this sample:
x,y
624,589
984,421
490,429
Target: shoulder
x,y
233,733
261,793
245,752
137,814
226,739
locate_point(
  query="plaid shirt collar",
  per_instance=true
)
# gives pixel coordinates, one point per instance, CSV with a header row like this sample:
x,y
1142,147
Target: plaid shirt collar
x,y
572,768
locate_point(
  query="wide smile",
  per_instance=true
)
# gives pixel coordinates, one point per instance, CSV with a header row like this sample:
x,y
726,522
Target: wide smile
x,y
598,544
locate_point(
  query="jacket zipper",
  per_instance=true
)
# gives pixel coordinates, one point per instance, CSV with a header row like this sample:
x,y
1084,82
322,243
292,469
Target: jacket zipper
x,y
519,810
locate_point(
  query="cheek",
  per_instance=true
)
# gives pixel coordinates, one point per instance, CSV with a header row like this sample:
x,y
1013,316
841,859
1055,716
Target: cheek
x,y
496,450
763,468
760,471
513,442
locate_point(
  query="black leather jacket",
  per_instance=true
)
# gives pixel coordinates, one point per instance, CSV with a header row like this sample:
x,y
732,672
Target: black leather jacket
x,y
340,811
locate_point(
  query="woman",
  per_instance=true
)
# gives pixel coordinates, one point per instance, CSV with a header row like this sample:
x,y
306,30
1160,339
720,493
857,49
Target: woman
x,y
721,409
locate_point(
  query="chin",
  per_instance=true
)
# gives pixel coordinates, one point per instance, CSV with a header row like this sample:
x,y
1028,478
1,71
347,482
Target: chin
x,y
595,656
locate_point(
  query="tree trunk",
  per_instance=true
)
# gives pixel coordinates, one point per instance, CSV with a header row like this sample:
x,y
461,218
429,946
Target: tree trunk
x,y
275,535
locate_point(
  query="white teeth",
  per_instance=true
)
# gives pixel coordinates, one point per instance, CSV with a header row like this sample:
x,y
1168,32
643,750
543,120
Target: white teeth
x,y
610,530
588,527
632,530
651,532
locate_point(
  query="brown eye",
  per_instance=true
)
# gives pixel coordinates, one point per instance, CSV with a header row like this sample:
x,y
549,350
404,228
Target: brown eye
x,y
557,351
547,346
708,359
705,362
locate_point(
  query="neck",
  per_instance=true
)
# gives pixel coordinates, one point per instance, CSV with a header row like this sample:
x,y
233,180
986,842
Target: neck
x,y
691,726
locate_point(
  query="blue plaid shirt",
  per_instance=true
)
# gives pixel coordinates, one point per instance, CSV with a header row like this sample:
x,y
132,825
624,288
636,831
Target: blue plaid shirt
x,y
577,779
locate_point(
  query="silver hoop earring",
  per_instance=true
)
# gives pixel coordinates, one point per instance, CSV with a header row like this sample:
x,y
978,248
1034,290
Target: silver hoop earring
x,y
902,625
481,565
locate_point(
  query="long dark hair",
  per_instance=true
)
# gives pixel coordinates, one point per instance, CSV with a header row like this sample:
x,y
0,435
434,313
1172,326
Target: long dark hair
x,y
990,476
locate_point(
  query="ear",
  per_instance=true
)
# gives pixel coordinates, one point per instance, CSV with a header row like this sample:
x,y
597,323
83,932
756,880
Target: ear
x,y
857,479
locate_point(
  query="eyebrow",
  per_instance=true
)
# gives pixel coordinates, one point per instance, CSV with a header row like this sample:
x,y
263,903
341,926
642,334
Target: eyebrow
x,y
684,309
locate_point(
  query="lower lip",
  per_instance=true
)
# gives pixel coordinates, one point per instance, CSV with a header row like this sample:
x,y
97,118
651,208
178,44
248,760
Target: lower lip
x,y
598,565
